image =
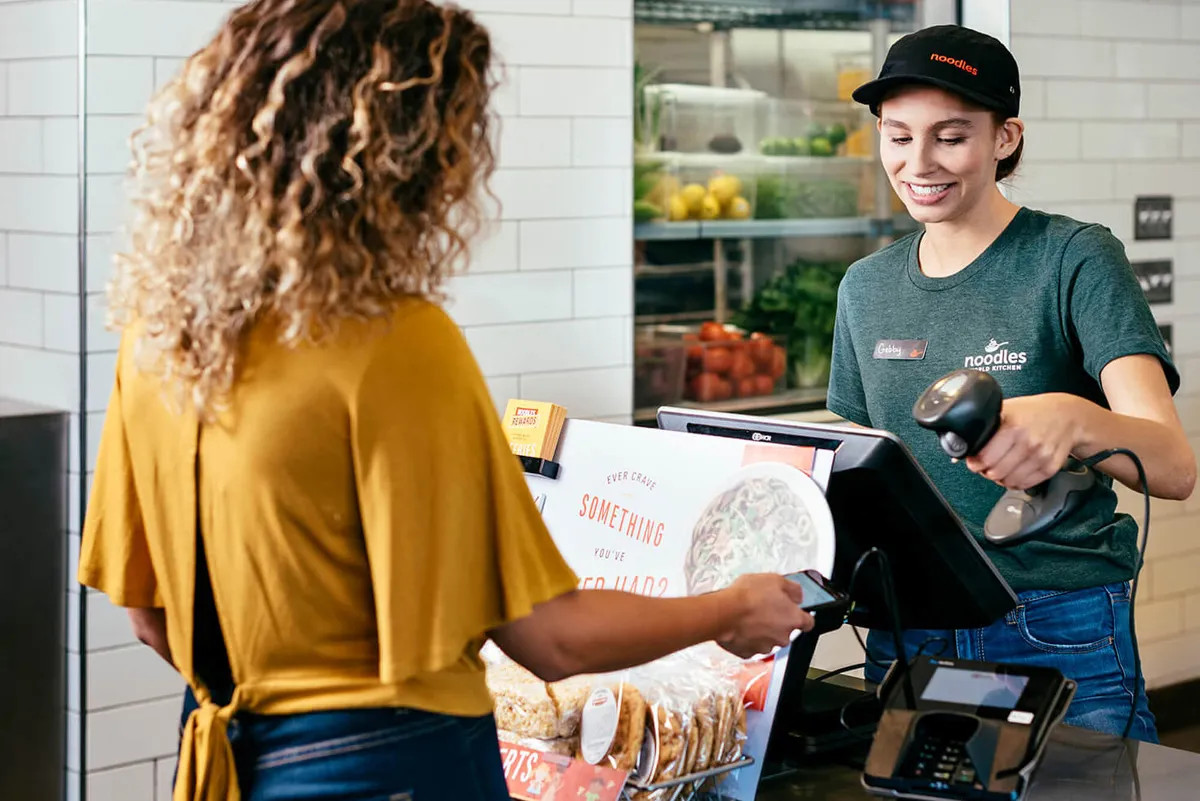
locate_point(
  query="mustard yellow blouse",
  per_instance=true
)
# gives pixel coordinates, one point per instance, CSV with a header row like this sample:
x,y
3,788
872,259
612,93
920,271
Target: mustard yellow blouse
x,y
365,522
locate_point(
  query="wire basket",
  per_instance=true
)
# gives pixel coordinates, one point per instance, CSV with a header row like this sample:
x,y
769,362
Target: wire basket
x,y
690,787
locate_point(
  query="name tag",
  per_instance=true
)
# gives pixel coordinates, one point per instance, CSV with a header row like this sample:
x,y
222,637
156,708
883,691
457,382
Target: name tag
x,y
901,349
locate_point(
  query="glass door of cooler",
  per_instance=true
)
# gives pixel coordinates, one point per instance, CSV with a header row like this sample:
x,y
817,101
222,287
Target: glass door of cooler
x,y
756,184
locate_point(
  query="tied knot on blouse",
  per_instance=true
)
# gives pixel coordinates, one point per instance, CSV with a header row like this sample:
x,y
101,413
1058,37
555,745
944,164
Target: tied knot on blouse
x,y
206,766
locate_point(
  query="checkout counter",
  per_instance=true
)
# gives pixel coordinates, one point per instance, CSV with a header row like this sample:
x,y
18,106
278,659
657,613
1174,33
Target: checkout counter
x,y
998,724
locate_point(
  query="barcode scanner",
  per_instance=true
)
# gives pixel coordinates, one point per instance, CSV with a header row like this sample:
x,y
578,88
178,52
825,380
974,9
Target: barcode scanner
x,y
963,409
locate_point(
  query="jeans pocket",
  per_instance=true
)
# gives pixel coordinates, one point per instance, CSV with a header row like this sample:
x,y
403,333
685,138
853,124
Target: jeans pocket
x,y
1068,623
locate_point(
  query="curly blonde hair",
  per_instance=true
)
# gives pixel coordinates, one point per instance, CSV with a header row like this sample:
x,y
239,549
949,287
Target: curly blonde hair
x,y
318,160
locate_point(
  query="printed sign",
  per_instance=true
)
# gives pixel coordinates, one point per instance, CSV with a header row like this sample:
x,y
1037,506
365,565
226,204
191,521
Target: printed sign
x,y
535,775
1156,278
1152,217
669,514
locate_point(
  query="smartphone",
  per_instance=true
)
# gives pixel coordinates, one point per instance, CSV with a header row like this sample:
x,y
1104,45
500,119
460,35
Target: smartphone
x,y
818,594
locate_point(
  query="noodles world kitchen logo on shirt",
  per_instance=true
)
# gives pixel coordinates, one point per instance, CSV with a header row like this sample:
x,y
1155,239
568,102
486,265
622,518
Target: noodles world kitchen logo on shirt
x,y
996,357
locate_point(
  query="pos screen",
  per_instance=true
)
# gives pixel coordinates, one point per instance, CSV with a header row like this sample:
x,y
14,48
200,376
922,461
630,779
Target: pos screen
x,y
974,688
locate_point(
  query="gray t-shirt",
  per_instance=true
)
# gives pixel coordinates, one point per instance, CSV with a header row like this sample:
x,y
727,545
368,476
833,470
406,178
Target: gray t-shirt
x,y
1043,309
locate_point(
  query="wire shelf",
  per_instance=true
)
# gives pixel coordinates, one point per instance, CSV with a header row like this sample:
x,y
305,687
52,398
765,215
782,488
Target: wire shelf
x,y
693,780
804,14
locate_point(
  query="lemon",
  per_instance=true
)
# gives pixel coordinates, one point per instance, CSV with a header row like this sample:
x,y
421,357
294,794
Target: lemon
x,y
693,197
677,209
724,188
668,186
739,209
710,208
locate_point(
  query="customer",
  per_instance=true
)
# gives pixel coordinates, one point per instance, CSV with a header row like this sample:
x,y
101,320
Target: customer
x,y
290,402
1051,308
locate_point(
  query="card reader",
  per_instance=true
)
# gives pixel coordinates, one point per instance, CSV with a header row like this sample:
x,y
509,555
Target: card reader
x,y
977,730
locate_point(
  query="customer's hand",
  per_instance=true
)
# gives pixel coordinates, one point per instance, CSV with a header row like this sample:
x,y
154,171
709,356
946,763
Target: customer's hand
x,y
770,614
1036,435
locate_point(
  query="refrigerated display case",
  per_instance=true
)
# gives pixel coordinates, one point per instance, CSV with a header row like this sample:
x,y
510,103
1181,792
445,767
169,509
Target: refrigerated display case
x,y
756,183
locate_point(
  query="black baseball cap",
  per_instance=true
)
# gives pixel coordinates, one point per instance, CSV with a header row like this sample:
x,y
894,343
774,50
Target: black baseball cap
x,y
951,57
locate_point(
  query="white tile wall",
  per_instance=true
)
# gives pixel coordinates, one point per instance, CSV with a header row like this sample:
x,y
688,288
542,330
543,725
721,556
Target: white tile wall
x,y
1135,111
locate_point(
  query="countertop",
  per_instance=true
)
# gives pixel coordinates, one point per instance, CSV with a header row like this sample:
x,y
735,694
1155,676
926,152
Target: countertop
x,y
1078,765
12,408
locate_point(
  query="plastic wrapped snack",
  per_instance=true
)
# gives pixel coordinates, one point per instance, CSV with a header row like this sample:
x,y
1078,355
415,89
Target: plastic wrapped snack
x,y
569,697
522,703
565,746
612,725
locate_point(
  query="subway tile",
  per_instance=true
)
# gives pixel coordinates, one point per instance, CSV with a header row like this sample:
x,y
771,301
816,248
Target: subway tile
x,y
107,204
43,88
20,318
3,88
45,262
126,783
493,298
74,736
108,148
164,774
1174,536
1052,140
100,339
74,785
1181,179
584,393
21,146
3,259
1050,183
560,41
543,194
101,249
1170,661
1187,223
40,377
495,249
101,374
1156,60
1177,576
1051,57
1040,17
135,733
152,27
1095,100
519,6
505,95
1173,101
601,142
567,345
504,388
45,29
1189,27
108,625
1159,620
1190,135
39,204
60,321
603,292
576,92
1131,140
60,146
621,9
544,142
129,675
559,244
1187,343
1128,19
165,69
1191,611
117,84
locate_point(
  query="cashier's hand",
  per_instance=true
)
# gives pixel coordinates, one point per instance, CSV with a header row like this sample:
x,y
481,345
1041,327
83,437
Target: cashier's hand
x,y
1036,435
769,614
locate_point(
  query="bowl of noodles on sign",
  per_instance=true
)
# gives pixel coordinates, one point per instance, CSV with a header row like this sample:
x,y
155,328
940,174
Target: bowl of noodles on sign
x,y
768,517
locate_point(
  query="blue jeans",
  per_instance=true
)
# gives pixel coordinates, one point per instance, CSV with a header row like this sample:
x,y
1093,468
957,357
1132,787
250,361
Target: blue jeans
x,y
1084,634
366,755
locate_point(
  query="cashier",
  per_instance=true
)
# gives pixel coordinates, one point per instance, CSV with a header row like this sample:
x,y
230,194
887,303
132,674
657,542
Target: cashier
x,y
303,493
1050,307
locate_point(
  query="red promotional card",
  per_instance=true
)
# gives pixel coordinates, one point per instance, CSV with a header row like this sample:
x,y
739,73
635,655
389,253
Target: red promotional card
x,y
535,775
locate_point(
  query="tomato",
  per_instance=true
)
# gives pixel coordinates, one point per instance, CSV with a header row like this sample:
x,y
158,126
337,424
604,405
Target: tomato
x,y
742,365
778,363
763,385
706,388
726,390
717,360
747,387
762,350
712,331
